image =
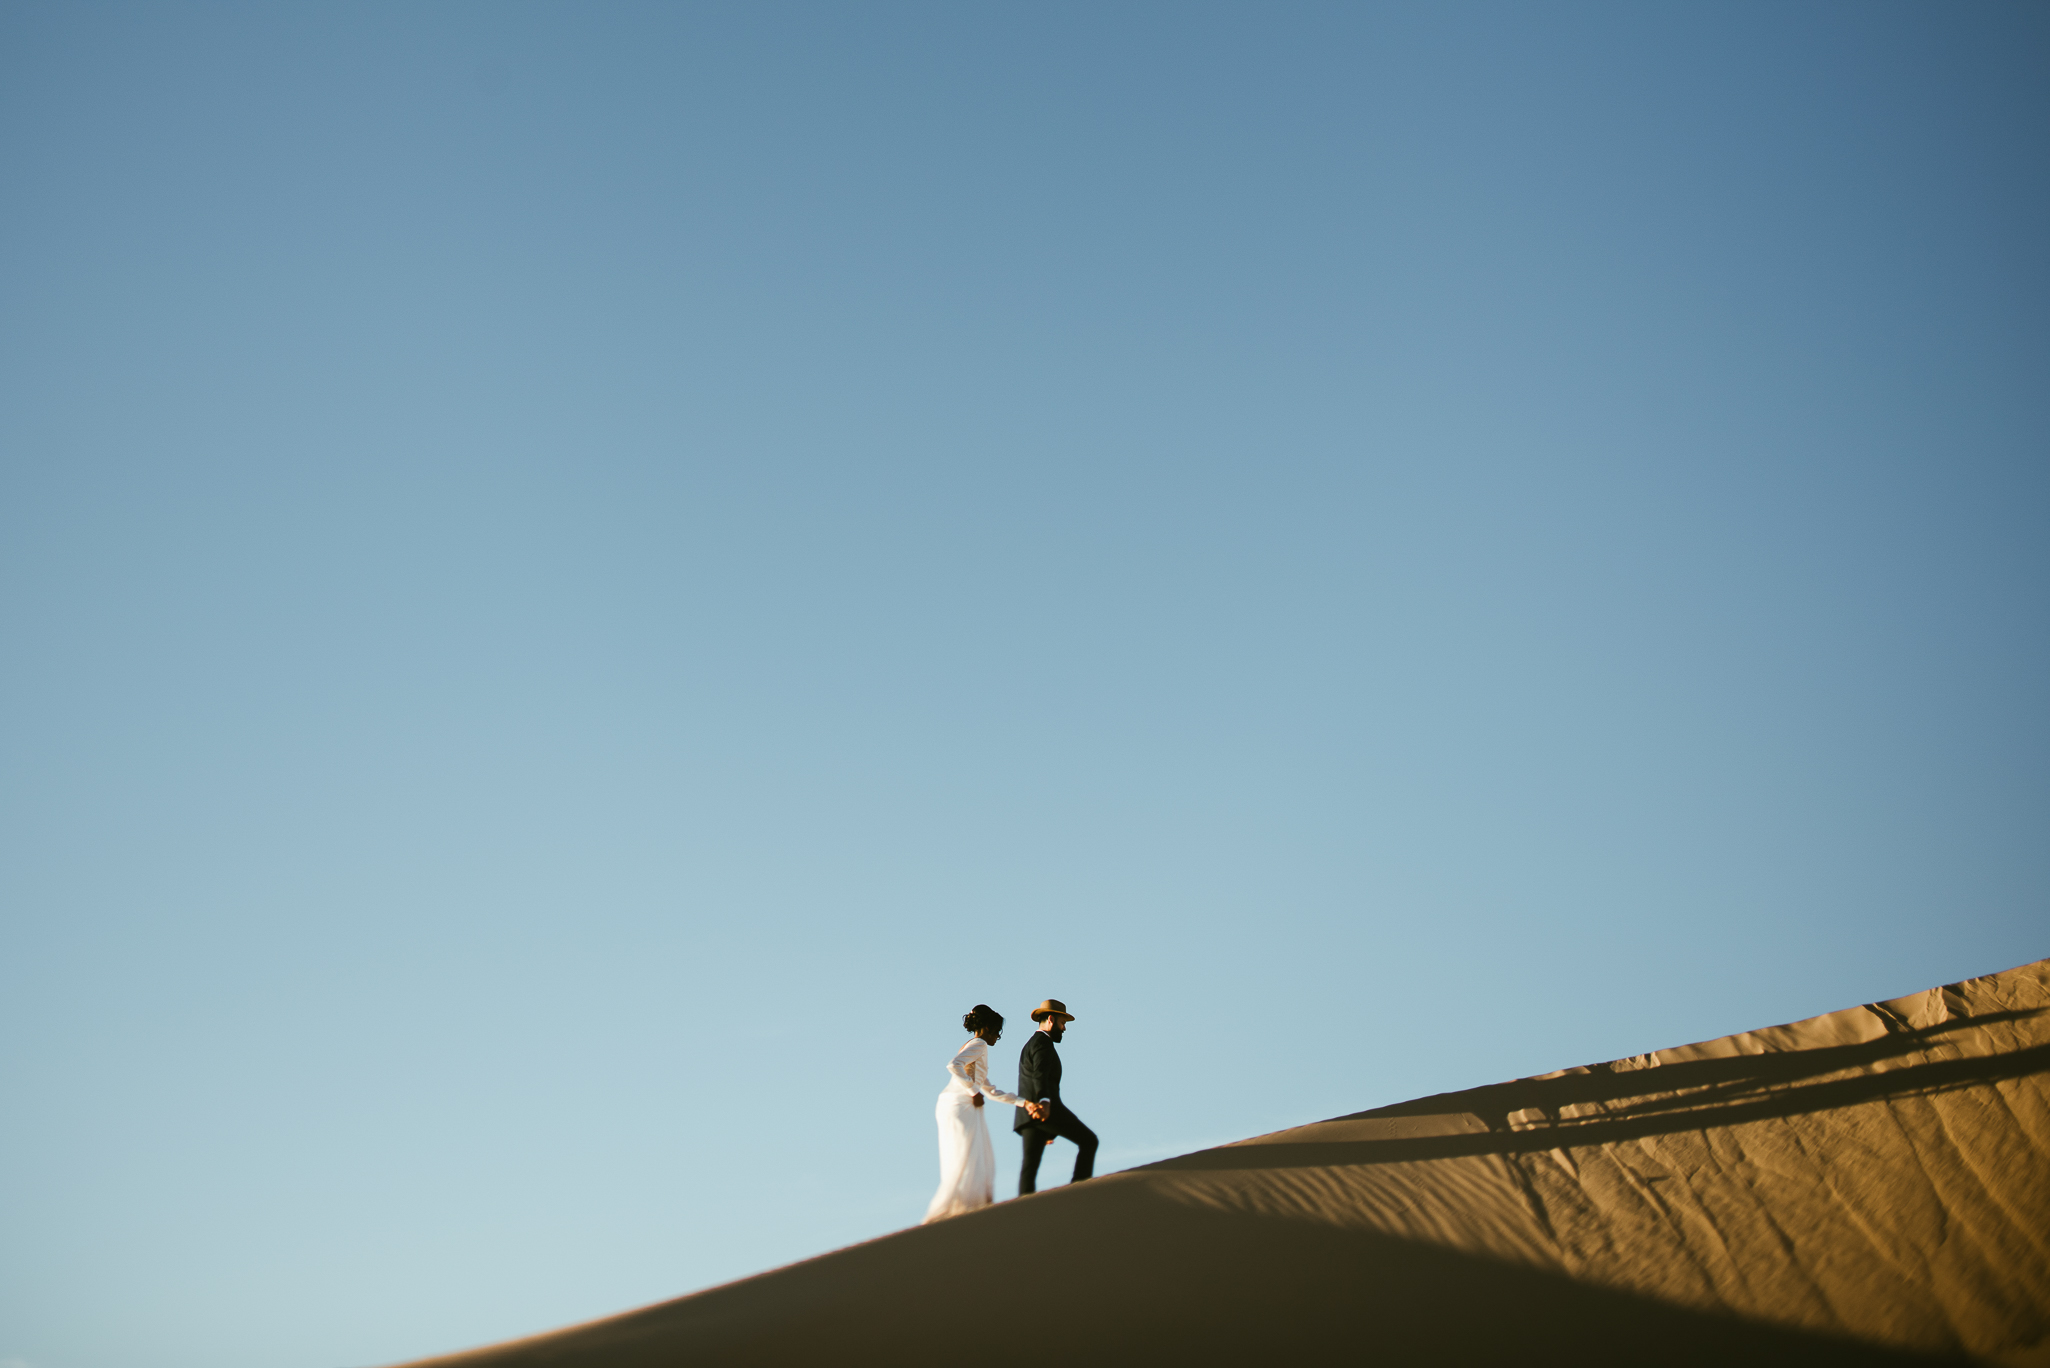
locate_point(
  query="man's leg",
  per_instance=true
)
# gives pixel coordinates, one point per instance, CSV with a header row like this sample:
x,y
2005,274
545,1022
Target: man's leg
x,y
1036,1142
1069,1126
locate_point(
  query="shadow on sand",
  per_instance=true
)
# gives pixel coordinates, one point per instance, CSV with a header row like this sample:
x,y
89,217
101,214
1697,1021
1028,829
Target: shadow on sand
x,y
1637,1103
1112,1274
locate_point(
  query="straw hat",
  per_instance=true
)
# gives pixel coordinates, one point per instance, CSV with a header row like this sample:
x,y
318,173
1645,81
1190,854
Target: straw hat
x,y
1052,1007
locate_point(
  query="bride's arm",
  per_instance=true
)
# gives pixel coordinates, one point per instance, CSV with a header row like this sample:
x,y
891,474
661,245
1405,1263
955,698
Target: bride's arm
x,y
979,1081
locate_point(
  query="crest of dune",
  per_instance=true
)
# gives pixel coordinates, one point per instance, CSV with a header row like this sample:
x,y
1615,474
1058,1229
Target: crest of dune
x,y
1863,1187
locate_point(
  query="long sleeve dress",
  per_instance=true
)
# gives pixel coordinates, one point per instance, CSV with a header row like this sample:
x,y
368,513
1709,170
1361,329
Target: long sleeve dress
x,y
968,1165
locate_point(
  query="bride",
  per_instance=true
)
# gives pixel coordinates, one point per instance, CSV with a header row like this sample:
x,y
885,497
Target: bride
x,y
968,1166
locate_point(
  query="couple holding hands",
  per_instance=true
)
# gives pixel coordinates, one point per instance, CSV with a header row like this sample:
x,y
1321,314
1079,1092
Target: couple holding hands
x,y
968,1166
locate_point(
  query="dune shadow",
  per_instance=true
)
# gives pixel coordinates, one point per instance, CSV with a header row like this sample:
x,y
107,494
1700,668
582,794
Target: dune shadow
x,y
1637,1103
1112,1274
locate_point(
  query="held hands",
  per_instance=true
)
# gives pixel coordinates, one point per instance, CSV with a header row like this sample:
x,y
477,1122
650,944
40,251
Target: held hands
x,y
1038,1111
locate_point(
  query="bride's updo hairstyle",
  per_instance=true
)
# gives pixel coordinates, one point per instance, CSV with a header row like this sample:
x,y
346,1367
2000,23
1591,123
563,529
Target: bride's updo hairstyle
x,y
983,1016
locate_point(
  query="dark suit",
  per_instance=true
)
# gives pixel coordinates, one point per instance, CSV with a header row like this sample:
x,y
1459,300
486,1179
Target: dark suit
x,y
1039,1080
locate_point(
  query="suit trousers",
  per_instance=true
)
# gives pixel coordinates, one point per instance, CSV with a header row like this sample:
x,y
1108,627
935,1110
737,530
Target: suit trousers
x,y
1037,1135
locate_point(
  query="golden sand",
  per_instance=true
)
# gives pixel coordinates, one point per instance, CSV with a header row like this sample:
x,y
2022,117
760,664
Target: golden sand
x,y
1865,1187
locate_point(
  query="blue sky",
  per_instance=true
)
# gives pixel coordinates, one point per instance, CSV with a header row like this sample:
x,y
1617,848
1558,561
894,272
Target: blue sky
x,y
580,581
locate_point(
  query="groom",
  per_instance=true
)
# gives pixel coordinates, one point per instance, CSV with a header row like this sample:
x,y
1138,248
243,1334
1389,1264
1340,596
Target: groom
x,y
1039,1079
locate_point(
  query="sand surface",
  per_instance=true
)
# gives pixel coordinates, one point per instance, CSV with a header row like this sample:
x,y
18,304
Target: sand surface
x,y
1864,1187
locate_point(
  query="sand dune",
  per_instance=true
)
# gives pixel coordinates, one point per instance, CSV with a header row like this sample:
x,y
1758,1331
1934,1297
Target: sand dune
x,y
1868,1186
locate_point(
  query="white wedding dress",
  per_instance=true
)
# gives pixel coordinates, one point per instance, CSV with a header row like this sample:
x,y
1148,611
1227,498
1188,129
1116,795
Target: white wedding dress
x,y
968,1166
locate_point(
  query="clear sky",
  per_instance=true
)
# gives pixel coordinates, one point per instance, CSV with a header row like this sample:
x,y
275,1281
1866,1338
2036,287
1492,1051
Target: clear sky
x,y
577,582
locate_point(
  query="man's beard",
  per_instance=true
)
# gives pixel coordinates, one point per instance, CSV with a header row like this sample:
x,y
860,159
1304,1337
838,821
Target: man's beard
x,y
1056,1033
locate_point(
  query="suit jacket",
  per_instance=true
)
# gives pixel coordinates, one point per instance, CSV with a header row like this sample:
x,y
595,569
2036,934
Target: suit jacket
x,y
1039,1076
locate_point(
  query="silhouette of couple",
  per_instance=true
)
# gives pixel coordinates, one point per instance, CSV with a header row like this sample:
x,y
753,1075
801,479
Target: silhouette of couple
x,y
968,1164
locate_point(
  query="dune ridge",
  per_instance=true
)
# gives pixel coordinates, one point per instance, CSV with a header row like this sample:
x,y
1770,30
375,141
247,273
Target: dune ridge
x,y
1868,1186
